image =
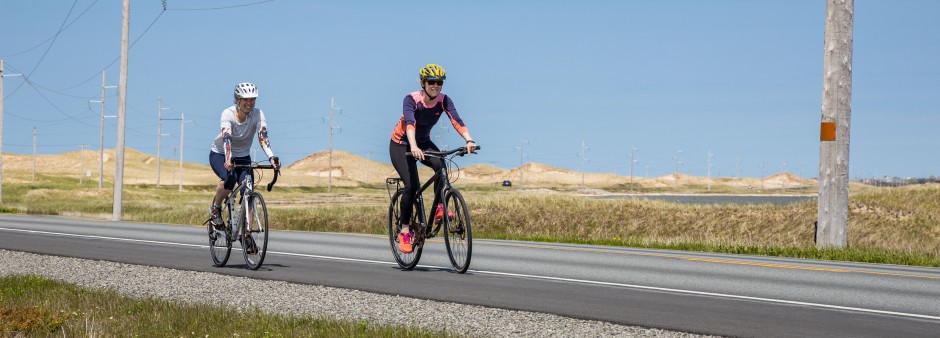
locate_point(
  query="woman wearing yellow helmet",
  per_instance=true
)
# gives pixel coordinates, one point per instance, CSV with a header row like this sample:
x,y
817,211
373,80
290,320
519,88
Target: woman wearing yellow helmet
x,y
420,112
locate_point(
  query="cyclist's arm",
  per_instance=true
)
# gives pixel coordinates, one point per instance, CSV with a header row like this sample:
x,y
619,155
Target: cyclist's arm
x,y
455,119
409,105
458,124
264,142
227,141
415,151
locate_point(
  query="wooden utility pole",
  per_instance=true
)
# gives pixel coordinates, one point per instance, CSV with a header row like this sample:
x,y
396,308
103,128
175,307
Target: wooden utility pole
x,y
368,164
159,134
329,184
763,174
101,135
833,200
678,163
122,112
583,150
81,164
182,139
522,143
633,150
1,130
710,170
1,125
34,154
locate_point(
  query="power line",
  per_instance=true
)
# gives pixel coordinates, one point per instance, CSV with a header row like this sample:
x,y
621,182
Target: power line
x,y
54,38
27,80
119,57
212,8
35,84
57,33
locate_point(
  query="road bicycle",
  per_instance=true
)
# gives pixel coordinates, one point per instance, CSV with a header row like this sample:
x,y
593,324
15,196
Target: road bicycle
x,y
458,235
245,221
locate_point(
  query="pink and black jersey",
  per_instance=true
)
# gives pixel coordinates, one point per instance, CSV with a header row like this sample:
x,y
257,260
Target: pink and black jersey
x,y
421,119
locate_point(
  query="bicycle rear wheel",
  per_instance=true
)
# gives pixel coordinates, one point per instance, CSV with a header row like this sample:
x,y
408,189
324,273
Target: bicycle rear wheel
x,y
219,246
458,238
255,239
406,261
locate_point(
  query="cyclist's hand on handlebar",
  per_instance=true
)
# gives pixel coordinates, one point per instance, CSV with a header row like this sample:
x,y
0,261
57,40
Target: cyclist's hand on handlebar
x,y
417,153
276,162
471,147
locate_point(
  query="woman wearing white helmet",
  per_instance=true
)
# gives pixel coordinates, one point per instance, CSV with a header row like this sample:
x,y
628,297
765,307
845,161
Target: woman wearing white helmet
x,y
239,124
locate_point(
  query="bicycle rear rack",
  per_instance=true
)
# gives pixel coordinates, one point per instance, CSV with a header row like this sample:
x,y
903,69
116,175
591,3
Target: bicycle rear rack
x,y
388,185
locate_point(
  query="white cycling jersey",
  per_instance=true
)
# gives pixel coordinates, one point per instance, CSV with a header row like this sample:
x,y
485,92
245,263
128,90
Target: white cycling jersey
x,y
243,134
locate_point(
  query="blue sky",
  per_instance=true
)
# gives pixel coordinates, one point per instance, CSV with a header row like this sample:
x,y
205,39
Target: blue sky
x,y
740,80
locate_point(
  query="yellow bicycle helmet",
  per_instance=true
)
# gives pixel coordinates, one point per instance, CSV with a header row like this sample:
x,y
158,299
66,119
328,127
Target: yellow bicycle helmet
x,y
432,72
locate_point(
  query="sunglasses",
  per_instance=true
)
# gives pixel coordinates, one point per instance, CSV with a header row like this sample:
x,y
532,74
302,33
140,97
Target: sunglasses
x,y
436,82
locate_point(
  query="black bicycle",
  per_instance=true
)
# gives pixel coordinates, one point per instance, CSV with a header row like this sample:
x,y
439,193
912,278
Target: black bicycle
x,y
455,221
245,222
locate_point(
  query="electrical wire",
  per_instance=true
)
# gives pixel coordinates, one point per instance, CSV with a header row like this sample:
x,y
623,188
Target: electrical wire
x,y
43,57
213,8
26,80
54,35
98,73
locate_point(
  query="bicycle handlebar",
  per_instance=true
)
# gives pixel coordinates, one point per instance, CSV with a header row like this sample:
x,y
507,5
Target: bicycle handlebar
x,y
261,166
441,154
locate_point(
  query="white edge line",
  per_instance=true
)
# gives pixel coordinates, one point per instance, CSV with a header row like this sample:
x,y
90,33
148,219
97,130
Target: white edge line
x,y
509,274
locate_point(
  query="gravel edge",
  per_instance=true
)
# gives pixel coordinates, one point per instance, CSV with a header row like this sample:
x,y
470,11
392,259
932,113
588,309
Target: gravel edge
x,y
309,300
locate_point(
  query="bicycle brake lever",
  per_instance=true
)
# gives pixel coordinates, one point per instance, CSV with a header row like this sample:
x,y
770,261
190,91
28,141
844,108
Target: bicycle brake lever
x,y
277,172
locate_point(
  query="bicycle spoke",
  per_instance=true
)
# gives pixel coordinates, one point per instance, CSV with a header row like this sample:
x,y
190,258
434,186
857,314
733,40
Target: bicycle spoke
x,y
255,236
406,261
458,236
219,246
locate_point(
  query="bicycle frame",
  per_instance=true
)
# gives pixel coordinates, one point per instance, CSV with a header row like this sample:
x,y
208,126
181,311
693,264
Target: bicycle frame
x,y
247,222
455,226
244,187
422,217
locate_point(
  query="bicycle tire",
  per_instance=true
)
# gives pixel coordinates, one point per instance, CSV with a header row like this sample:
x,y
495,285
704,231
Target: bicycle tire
x,y
458,235
407,261
220,248
256,232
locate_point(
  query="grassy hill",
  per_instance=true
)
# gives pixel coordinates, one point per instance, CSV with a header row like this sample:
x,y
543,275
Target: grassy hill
x,y
349,170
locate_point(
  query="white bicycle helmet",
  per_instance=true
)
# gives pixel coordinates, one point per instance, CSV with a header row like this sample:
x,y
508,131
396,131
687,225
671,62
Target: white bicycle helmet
x,y
246,90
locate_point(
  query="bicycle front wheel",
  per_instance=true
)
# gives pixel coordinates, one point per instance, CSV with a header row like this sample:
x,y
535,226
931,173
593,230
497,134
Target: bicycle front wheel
x,y
406,261
219,246
255,237
458,236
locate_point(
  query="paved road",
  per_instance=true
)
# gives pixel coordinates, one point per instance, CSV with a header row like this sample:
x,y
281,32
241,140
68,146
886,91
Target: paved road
x,y
694,292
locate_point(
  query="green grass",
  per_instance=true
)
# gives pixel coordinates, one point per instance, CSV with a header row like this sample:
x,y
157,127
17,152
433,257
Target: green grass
x,y
32,306
886,225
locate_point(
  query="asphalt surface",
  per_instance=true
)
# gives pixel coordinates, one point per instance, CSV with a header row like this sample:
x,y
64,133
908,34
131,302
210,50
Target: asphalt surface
x,y
731,295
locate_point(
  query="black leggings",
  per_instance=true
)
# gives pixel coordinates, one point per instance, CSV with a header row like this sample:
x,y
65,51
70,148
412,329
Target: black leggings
x,y
407,169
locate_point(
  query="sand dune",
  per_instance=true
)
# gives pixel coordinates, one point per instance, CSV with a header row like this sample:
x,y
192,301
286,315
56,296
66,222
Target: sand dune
x,y
345,169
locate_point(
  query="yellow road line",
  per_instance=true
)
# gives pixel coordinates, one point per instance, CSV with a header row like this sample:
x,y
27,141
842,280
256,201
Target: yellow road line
x,y
800,267
714,260
699,259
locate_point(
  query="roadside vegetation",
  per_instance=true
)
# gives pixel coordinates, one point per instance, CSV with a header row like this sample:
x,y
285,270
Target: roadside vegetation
x,y
886,225
32,306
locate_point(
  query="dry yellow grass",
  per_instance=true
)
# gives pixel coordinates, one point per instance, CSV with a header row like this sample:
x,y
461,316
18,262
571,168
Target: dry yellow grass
x,y
895,225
